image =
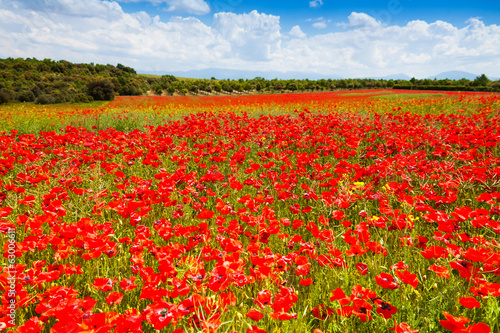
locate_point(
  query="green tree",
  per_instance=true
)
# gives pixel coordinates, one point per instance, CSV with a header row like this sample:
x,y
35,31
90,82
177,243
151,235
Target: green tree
x,y
25,96
227,87
482,81
217,87
101,90
45,99
4,97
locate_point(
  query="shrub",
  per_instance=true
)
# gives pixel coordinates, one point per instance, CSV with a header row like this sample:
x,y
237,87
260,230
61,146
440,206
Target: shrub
x,y
4,97
26,96
101,90
82,98
45,99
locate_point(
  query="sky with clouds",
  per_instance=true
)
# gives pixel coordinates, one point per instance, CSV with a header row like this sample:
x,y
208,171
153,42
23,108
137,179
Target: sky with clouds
x,y
348,39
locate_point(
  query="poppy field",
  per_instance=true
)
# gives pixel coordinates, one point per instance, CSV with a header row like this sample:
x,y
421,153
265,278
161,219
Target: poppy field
x,y
364,211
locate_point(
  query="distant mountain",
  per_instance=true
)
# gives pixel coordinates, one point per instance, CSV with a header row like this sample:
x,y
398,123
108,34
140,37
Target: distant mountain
x,y
453,75
235,74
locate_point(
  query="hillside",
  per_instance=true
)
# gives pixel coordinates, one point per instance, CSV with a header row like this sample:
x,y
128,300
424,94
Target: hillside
x,y
47,81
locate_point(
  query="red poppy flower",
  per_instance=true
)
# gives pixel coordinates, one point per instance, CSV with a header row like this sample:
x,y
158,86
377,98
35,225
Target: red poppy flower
x,y
284,300
255,329
403,328
295,208
441,271
322,312
219,279
306,282
345,311
33,325
362,268
386,281
306,210
114,298
464,268
476,328
487,288
361,309
434,251
254,314
338,215
469,302
160,314
5,211
128,284
408,278
283,315
339,295
363,293
120,174
386,310
263,298
205,214
399,266
105,284
453,323
189,305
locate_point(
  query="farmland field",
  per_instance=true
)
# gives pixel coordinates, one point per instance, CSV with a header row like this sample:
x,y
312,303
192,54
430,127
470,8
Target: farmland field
x,y
331,212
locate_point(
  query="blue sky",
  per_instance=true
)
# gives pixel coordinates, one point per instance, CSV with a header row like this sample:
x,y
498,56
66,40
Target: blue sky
x,y
341,38
296,12
303,13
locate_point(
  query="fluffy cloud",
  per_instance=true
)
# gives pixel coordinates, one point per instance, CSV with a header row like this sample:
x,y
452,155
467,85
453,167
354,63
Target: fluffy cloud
x,y
319,23
251,36
101,32
361,20
195,7
71,8
315,3
113,36
297,32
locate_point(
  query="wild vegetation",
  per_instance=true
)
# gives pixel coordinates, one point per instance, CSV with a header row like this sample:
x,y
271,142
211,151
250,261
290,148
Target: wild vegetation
x,y
51,82
359,211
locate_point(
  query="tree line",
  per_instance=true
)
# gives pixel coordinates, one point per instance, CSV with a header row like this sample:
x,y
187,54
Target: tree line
x,y
49,82
480,83
170,85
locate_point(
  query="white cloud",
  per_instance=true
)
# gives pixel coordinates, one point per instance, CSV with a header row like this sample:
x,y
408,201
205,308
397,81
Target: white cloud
x,y
420,58
319,23
360,20
252,36
73,8
136,39
195,7
297,32
315,3
101,32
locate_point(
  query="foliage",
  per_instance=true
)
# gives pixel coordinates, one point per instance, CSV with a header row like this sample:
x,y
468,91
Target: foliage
x,y
481,83
25,80
101,90
47,81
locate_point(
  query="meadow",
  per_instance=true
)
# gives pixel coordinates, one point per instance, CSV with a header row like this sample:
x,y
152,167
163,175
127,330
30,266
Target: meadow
x,y
363,211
